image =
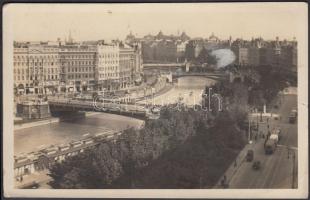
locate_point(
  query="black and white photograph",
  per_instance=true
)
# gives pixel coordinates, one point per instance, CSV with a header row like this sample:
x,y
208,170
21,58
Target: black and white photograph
x,y
187,97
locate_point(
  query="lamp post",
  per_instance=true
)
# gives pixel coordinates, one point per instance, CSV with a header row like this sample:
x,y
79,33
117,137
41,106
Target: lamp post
x,y
249,129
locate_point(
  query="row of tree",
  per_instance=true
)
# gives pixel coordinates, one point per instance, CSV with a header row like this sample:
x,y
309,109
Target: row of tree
x,y
134,149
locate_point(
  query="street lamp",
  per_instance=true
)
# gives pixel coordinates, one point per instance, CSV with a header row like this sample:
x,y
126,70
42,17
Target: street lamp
x,y
249,129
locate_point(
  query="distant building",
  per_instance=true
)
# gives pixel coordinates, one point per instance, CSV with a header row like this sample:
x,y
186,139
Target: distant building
x,y
161,47
288,58
243,56
253,56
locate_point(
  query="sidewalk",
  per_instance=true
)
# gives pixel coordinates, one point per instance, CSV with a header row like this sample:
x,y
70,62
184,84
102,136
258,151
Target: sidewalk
x,y
232,169
241,157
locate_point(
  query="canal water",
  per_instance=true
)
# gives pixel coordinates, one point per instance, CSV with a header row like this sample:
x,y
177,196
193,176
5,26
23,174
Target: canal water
x,y
35,138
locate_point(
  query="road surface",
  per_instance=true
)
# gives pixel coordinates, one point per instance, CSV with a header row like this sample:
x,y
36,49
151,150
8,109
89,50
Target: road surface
x,y
188,90
276,169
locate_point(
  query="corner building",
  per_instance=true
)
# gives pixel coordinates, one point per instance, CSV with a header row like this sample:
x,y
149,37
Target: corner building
x,y
36,69
107,69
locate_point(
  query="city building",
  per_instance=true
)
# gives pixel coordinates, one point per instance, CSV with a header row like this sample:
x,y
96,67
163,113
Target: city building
x,y
126,66
78,65
161,47
36,69
107,69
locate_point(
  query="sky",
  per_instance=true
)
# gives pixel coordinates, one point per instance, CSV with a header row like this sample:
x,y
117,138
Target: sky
x,y
34,22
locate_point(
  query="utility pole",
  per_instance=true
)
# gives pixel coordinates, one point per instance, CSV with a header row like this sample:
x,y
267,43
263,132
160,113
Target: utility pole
x,y
249,131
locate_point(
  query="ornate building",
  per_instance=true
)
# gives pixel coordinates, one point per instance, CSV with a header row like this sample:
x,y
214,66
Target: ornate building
x,y
77,65
36,69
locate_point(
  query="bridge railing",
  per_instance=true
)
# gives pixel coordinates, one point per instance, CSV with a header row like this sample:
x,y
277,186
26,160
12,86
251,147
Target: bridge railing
x,y
98,105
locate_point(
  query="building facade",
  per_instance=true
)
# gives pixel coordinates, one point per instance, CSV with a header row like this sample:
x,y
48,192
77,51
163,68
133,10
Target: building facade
x,y
107,69
36,69
78,65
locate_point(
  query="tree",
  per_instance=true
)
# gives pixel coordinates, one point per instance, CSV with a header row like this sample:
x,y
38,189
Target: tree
x,y
211,59
202,57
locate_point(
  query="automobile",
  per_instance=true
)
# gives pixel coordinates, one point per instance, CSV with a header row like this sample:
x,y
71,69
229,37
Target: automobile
x,y
292,118
256,165
294,111
250,155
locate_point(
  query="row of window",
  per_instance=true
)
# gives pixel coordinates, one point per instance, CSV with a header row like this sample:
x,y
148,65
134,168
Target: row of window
x,y
108,75
77,56
72,63
111,55
24,78
81,69
108,56
75,76
34,63
111,68
36,57
108,62
23,70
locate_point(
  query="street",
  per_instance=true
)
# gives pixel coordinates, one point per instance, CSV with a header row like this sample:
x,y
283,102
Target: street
x,y
276,169
188,90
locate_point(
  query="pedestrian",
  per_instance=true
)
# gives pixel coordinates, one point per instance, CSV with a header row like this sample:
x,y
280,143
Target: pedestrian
x,y
21,178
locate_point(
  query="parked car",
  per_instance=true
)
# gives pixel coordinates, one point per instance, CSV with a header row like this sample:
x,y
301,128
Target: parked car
x,y
250,155
292,118
256,165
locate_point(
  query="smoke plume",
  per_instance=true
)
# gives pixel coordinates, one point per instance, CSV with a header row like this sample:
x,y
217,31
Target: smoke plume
x,y
224,57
